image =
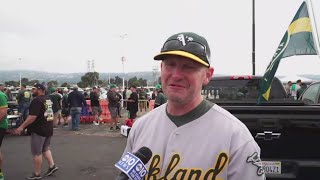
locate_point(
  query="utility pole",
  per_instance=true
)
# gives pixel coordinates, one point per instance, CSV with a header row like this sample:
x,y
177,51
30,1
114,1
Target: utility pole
x,y
253,40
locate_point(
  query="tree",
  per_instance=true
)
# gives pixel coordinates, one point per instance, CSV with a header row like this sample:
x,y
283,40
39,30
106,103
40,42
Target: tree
x,y
118,81
89,79
112,81
25,81
12,83
32,82
143,82
82,84
65,84
131,80
52,83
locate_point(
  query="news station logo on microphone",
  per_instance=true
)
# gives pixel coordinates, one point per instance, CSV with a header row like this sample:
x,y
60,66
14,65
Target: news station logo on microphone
x,y
132,166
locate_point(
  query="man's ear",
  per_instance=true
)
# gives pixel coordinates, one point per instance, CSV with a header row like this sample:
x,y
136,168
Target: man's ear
x,y
209,73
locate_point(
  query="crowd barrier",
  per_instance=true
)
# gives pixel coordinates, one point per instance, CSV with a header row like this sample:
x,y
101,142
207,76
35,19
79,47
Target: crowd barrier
x,y
87,116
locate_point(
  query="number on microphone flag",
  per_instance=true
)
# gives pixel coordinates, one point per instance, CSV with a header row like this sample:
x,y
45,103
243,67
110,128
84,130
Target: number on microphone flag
x,y
132,166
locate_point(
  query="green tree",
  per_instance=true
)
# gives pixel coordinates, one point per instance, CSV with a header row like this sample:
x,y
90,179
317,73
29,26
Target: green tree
x,y
143,82
12,83
112,81
131,80
32,82
65,84
25,81
136,83
52,83
82,84
118,81
89,79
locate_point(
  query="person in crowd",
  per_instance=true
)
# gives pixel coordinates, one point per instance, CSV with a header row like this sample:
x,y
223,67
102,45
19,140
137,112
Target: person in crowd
x,y
23,98
3,123
161,98
303,86
76,102
119,97
154,94
9,94
56,100
95,105
40,121
112,106
133,103
2,87
65,112
124,96
190,137
294,89
288,88
142,97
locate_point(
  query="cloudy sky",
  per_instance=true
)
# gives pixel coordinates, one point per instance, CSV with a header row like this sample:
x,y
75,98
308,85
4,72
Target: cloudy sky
x,y
62,35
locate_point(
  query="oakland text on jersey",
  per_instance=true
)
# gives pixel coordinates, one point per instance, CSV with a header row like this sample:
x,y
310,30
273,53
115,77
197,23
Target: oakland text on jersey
x,y
173,171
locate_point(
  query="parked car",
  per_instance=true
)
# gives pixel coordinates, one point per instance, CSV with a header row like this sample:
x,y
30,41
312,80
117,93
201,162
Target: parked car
x,y
311,95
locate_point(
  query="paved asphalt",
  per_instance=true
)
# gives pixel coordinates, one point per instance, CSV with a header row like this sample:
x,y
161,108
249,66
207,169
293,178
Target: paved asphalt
x,y
78,156
88,154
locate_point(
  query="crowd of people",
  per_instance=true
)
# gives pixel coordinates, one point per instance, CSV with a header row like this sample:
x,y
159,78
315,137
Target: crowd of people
x,y
294,90
42,109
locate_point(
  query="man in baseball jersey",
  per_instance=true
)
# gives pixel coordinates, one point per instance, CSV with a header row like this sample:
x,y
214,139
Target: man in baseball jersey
x,y
190,137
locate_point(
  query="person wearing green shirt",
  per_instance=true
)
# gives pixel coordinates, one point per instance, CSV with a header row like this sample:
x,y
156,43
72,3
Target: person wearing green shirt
x,y
3,122
160,98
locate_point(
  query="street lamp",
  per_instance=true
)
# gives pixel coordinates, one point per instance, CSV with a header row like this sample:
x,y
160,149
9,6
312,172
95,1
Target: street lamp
x,y
123,59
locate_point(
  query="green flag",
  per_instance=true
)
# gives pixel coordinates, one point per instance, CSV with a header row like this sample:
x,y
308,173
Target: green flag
x,y
297,40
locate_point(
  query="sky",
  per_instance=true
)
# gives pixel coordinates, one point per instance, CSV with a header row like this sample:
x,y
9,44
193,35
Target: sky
x,y
63,35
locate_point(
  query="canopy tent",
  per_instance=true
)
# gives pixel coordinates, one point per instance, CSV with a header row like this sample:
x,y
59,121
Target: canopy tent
x,y
294,79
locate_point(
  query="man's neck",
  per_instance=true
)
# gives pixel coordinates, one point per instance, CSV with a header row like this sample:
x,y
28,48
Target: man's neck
x,y
178,109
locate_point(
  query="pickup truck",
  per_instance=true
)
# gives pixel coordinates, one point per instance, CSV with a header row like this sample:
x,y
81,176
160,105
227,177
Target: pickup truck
x,y
287,131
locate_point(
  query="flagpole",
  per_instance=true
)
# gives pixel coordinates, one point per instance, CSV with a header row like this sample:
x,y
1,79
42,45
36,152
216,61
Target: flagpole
x,y
253,40
314,26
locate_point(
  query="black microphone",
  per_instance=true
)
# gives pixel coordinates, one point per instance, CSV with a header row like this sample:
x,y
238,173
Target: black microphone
x,y
144,154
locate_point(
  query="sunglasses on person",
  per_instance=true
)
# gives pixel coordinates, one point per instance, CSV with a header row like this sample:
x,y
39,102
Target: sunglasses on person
x,y
192,47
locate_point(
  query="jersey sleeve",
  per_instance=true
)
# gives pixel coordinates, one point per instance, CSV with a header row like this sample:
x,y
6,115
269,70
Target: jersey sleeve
x,y
245,163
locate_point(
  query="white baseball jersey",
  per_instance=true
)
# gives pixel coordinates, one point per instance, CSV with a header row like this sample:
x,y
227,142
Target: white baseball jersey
x,y
215,145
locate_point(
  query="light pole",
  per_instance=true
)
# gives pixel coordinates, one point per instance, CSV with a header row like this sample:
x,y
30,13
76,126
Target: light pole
x,y
123,59
20,71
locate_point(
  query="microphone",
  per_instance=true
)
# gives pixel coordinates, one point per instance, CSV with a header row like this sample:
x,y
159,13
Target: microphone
x,y
133,165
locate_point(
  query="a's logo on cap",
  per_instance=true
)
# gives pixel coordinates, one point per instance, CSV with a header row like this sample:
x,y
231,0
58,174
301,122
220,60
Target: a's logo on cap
x,y
183,39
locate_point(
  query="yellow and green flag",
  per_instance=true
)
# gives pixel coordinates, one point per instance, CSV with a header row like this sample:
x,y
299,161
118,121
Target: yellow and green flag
x,y
298,40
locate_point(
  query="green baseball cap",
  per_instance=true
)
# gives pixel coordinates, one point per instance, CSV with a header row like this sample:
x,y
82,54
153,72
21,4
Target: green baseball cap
x,y
52,89
112,86
158,86
186,44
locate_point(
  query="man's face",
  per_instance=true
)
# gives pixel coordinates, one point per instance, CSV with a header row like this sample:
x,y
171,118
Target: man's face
x,y
35,92
182,79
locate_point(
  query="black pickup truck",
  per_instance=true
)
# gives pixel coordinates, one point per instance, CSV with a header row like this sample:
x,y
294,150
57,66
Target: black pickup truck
x,y
287,131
